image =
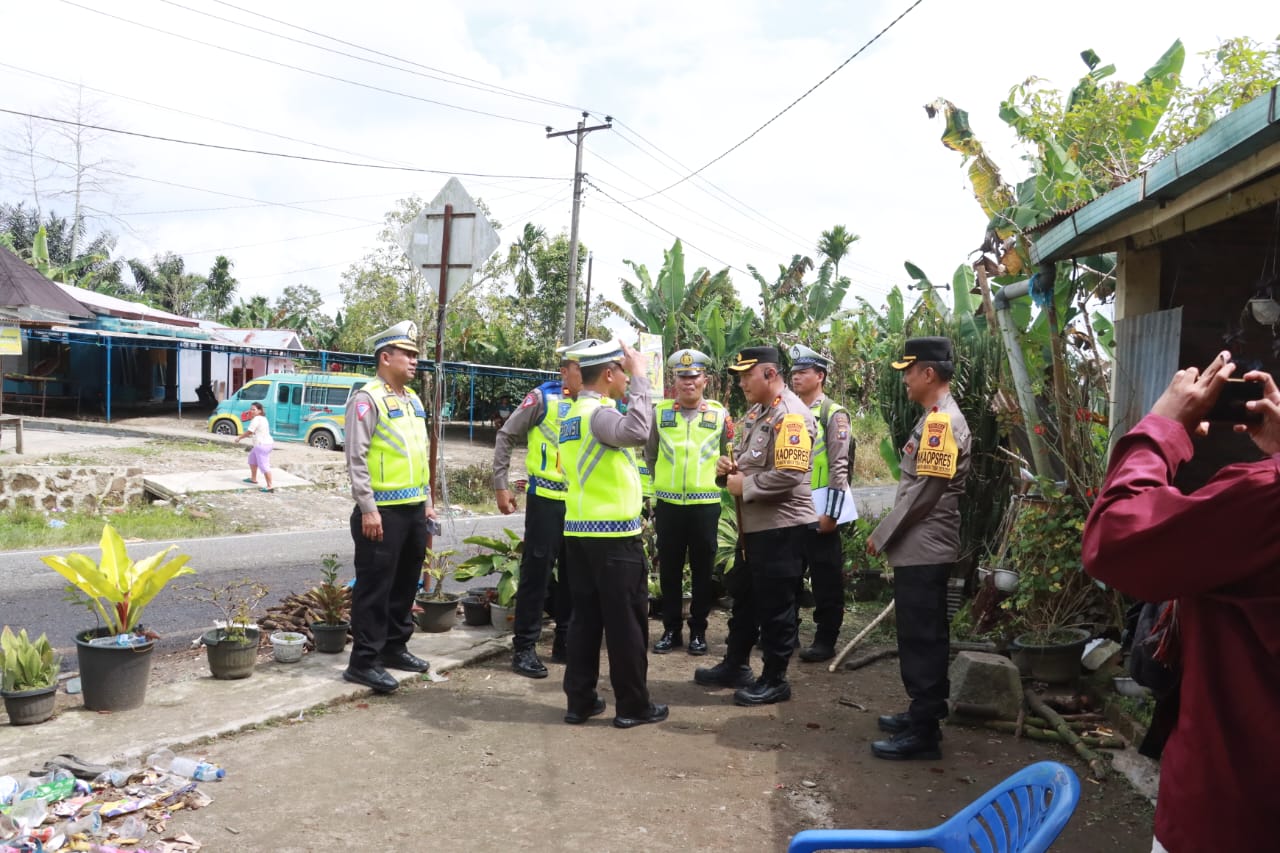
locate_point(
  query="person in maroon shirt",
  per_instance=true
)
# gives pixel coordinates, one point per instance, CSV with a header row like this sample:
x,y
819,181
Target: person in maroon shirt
x,y
1217,552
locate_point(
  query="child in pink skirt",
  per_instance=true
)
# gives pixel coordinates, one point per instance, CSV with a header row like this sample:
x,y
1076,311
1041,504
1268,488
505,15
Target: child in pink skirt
x,y
260,455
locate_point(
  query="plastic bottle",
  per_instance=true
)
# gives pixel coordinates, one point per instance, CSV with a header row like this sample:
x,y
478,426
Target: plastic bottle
x,y
180,765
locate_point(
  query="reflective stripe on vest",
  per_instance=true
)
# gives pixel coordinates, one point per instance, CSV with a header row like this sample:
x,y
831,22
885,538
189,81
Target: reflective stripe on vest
x,y
399,468
604,497
821,475
543,442
685,470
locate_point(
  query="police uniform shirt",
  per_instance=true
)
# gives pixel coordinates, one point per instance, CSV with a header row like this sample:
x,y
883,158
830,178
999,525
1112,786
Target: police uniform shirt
x,y
651,445
923,528
362,418
517,426
615,429
776,466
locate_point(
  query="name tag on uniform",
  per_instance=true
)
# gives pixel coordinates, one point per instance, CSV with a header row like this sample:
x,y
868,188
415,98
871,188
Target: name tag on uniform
x,y
708,420
393,408
938,452
668,418
571,429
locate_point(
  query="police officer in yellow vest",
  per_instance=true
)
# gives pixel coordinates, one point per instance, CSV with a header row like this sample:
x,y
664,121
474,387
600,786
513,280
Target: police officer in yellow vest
x,y
537,421
769,475
832,500
689,434
602,537
388,464
920,537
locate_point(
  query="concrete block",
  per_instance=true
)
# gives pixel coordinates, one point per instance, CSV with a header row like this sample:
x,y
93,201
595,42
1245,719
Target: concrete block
x,y
988,680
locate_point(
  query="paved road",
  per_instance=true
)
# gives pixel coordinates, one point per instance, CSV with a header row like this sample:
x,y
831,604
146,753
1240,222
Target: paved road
x,y
31,594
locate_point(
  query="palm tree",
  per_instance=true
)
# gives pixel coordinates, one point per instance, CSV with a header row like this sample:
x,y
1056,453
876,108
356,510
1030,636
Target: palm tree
x,y
166,283
520,256
219,288
834,245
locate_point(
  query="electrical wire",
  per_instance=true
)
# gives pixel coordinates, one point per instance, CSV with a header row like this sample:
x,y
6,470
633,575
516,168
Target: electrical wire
x,y
788,107
310,71
157,138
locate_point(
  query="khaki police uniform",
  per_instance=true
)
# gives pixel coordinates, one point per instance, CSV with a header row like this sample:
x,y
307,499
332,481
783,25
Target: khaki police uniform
x,y
772,448
920,538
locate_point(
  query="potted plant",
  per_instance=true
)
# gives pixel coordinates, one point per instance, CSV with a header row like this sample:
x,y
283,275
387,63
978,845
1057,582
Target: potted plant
x,y
28,677
436,611
115,657
288,646
333,606
655,597
232,648
501,557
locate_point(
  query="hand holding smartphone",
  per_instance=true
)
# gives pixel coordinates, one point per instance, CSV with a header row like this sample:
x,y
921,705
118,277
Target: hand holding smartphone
x,y
1230,405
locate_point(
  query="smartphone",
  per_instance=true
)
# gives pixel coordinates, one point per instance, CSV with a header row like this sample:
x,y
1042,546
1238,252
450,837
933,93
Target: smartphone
x,y
433,527
1230,407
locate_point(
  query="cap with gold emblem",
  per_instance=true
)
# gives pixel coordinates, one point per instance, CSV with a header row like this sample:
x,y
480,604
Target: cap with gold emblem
x,y
924,349
569,352
604,352
802,356
751,356
401,336
689,362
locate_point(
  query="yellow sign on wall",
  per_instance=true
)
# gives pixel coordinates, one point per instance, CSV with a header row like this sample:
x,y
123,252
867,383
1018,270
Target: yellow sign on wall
x,y
651,345
10,340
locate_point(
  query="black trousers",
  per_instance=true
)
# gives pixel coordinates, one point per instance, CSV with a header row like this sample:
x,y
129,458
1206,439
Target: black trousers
x,y
825,562
764,597
608,578
924,639
543,548
686,530
387,575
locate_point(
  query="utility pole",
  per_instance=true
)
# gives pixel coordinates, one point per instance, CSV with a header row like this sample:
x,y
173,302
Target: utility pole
x,y
579,134
586,303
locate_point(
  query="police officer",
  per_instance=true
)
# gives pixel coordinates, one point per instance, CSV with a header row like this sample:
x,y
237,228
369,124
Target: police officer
x,y
769,475
389,466
537,421
920,537
832,500
602,537
689,434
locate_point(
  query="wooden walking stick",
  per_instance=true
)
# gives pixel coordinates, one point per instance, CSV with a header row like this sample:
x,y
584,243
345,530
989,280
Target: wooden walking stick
x,y
858,639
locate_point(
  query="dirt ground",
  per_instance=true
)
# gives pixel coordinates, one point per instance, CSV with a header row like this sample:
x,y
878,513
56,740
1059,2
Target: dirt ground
x,y
483,761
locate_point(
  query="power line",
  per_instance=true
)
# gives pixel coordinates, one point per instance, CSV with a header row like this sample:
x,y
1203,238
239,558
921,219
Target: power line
x,y
310,71
492,87
480,86
788,107
280,154
273,242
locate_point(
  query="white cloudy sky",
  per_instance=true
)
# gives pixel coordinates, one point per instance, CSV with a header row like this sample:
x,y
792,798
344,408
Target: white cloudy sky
x,y
684,81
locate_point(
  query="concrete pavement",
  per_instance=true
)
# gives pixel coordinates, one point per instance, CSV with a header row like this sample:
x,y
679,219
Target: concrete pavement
x,y
181,713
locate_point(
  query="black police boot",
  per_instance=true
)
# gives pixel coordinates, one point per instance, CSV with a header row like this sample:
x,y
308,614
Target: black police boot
x,y
697,643
894,723
913,744
525,662
728,673
818,652
766,690
560,649
668,641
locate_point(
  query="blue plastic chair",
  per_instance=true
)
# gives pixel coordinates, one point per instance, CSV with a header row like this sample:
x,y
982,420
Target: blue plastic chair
x,y
1023,814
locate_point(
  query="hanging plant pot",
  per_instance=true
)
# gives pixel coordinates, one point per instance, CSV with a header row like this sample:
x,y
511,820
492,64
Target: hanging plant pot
x,y
475,611
436,615
288,646
1054,658
231,657
113,677
1005,580
28,707
330,639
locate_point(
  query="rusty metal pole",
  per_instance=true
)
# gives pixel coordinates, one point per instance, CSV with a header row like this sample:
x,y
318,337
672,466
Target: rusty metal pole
x,y
437,379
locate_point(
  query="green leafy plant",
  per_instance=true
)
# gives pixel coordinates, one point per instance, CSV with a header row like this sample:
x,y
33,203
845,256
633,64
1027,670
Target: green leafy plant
x,y
436,565
26,665
332,600
502,558
116,588
236,601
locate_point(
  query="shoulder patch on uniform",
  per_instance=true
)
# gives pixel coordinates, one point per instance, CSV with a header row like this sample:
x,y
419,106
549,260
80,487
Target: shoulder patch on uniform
x,y
362,408
530,399
937,454
793,444
728,428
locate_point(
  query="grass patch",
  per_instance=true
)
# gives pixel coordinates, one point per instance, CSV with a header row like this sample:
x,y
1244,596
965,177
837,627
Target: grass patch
x,y
21,529
868,468
160,448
